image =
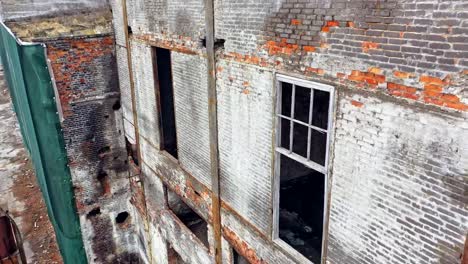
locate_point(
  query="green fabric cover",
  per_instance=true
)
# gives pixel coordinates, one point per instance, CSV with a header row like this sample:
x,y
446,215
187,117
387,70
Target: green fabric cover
x,y
32,93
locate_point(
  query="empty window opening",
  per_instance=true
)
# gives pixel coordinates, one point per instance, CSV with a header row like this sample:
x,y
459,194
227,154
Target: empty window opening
x,y
238,258
104,182
303,116
132,151
190,218
122,217
103,151
116,106
165,91
96,211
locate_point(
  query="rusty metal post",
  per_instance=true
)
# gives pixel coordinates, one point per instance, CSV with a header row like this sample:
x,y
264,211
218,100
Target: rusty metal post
x,y
135,115
213,127
131,78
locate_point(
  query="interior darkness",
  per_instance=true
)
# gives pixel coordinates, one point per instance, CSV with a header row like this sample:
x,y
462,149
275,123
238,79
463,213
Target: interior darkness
x,y
301,208
238,259
318,139
192,220
121,217
166,101
132,151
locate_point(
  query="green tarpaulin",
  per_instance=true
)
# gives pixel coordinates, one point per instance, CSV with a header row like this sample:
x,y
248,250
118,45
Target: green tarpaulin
x,y
33,97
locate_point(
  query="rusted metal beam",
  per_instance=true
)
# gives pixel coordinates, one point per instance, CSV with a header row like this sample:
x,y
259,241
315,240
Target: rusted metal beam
x,y
130,77
134,112
213,127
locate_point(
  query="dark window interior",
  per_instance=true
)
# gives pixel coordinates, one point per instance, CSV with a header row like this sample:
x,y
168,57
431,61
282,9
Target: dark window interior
x,y
318,139
132,151
163,80
238,258
192,220
302,189
301,208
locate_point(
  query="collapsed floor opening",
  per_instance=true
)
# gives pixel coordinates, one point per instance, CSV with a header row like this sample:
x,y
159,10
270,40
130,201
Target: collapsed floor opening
x,y
188,216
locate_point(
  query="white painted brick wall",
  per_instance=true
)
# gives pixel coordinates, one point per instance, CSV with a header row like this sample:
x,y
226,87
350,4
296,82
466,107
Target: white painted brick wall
x,y
191,108
400,179
245,120
148,118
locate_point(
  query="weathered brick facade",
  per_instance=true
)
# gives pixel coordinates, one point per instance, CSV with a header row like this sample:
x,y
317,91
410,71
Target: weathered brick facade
x,y
85,75
398,182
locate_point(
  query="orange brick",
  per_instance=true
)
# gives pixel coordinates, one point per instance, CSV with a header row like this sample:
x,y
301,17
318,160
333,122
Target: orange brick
x,y
431,80
357,103
366,45
458,106
333,23
375,70
450,98
350,24
296,22
401,75
309,48
431,88
315,70
340,75
325,29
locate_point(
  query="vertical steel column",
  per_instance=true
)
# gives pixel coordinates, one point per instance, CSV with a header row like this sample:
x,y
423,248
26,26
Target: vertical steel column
x,y
213,126
130,77
135,115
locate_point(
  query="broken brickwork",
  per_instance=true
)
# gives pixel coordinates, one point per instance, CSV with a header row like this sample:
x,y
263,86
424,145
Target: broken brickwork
x,y
85,75
398,176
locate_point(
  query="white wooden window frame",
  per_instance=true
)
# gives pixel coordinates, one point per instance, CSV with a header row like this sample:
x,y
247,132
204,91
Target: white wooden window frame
x,y
305,161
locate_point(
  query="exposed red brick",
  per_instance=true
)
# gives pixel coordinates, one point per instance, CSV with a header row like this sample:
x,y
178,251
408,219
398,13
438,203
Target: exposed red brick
x,y
375,70
315,70
325,29
309,48
367,45
357,103
402,75
432,80
333,23
295,22
402,91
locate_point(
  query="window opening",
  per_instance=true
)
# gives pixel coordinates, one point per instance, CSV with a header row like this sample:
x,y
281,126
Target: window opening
x,y
303,128
188,216
238,258
165,91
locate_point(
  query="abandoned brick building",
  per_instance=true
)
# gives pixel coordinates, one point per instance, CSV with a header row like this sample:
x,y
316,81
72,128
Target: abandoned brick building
x,y
329,130
275,131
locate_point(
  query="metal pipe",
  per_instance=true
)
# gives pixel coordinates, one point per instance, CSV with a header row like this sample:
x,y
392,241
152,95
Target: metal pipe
x,y
213,127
